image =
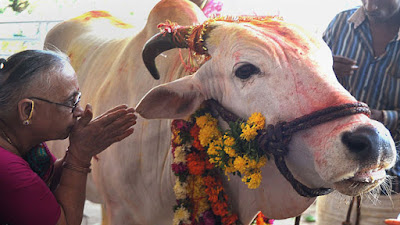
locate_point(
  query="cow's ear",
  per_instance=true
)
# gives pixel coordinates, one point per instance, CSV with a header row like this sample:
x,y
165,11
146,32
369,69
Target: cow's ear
x,y
174,100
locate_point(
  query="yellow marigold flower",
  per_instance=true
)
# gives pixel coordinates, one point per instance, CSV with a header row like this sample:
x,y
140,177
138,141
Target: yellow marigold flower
x,y
230,151
205,120
257,120
218,142
212,150
240,164
203,205
181,215
253,181
214,147
229,141
230,168
207,134
211,121
248,133
178,140
201,121
251,163
262,162
179,155
198,188
180,189
213,161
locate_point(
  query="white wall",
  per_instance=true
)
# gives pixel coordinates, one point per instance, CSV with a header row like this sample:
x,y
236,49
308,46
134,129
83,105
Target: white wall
x,y
312,14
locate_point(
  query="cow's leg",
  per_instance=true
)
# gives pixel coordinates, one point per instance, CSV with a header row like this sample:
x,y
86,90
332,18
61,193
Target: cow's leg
x,y
116,214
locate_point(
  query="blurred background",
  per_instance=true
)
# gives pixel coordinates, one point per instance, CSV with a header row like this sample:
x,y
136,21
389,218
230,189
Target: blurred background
x,y
24,23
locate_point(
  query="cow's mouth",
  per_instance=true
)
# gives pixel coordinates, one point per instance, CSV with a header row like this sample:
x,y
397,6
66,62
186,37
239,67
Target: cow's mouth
x,y
362,182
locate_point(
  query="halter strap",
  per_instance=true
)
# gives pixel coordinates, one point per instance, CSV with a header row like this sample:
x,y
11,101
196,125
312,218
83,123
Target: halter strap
x,y
274,139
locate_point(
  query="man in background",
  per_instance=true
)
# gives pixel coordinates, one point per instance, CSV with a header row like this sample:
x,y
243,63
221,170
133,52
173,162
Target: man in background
x,y
365,44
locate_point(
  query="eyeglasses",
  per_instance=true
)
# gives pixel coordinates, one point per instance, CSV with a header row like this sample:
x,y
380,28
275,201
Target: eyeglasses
x,y
73,103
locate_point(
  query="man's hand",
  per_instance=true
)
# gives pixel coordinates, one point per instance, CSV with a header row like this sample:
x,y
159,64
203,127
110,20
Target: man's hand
x,y
344,66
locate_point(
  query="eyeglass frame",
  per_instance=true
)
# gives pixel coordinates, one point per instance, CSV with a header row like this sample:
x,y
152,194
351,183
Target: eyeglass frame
x,y
73,107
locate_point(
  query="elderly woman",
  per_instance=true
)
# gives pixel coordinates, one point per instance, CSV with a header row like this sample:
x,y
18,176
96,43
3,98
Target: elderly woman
x,y
39,101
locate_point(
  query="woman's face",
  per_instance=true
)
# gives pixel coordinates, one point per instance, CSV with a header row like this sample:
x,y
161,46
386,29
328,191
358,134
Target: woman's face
x,y
381,10
55,120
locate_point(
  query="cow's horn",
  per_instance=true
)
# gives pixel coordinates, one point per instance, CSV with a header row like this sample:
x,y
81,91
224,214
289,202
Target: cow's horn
x,y
160,43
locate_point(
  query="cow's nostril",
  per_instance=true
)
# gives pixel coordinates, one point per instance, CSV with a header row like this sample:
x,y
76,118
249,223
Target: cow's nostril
x,y
355,142
364,143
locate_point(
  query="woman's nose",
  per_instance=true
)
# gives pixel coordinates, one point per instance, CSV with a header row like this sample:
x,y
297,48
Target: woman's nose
x,y
78,111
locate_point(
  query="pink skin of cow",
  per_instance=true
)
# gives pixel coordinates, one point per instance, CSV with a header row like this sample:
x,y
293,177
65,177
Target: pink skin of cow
x,y
133,178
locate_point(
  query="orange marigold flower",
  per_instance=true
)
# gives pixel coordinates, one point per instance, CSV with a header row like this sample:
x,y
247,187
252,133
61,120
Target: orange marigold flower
x,y
230,219
195,164
197,145
220,208
194,131
209,165
210,181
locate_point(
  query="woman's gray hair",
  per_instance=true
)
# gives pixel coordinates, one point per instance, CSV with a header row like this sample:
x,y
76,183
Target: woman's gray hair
x,y
26,70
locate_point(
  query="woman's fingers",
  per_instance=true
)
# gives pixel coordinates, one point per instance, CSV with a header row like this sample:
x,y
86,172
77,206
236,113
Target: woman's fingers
x,y
115,130
87,116
107,119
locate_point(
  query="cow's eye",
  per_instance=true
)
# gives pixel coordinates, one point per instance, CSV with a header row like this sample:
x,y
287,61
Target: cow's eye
x,y
246,70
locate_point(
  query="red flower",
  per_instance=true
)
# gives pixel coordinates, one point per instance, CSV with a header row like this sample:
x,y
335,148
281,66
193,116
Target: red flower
x,y
179,168
195,164
194,132
179,124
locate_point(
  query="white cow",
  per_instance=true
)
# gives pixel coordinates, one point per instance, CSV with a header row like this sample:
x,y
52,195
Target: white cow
x,y
273,68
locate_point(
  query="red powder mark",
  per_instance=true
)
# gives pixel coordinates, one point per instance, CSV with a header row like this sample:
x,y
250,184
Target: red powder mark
x,y
275,25
97,14
319,159
89,16
236,55
122,69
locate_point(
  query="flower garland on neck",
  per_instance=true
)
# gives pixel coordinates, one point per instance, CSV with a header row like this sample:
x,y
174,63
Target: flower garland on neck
x,y
200,149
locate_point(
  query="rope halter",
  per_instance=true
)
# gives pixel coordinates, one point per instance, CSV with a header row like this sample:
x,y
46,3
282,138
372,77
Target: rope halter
x,y
274,139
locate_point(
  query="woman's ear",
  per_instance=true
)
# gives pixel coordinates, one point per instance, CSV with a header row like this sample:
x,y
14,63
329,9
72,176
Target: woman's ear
x,y
25,110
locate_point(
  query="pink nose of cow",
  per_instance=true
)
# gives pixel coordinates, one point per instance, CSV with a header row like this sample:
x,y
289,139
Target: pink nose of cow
x,y
367,145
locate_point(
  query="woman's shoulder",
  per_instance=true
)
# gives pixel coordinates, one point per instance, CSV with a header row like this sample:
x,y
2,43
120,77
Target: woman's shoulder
x,y
15,170
7,158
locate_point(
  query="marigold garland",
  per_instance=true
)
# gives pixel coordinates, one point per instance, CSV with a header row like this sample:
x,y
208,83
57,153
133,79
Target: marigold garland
x,y
200,149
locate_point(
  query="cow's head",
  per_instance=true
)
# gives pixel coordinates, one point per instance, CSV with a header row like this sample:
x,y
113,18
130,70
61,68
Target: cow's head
x,y
266,65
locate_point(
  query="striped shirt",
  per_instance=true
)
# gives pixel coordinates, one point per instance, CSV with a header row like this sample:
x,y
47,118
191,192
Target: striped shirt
x,y
377,79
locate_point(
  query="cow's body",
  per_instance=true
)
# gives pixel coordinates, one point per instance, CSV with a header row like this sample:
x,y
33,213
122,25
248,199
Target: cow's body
x,y
133,178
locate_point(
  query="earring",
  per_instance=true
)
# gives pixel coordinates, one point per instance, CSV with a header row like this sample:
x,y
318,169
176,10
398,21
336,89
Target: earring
x,y
27,121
